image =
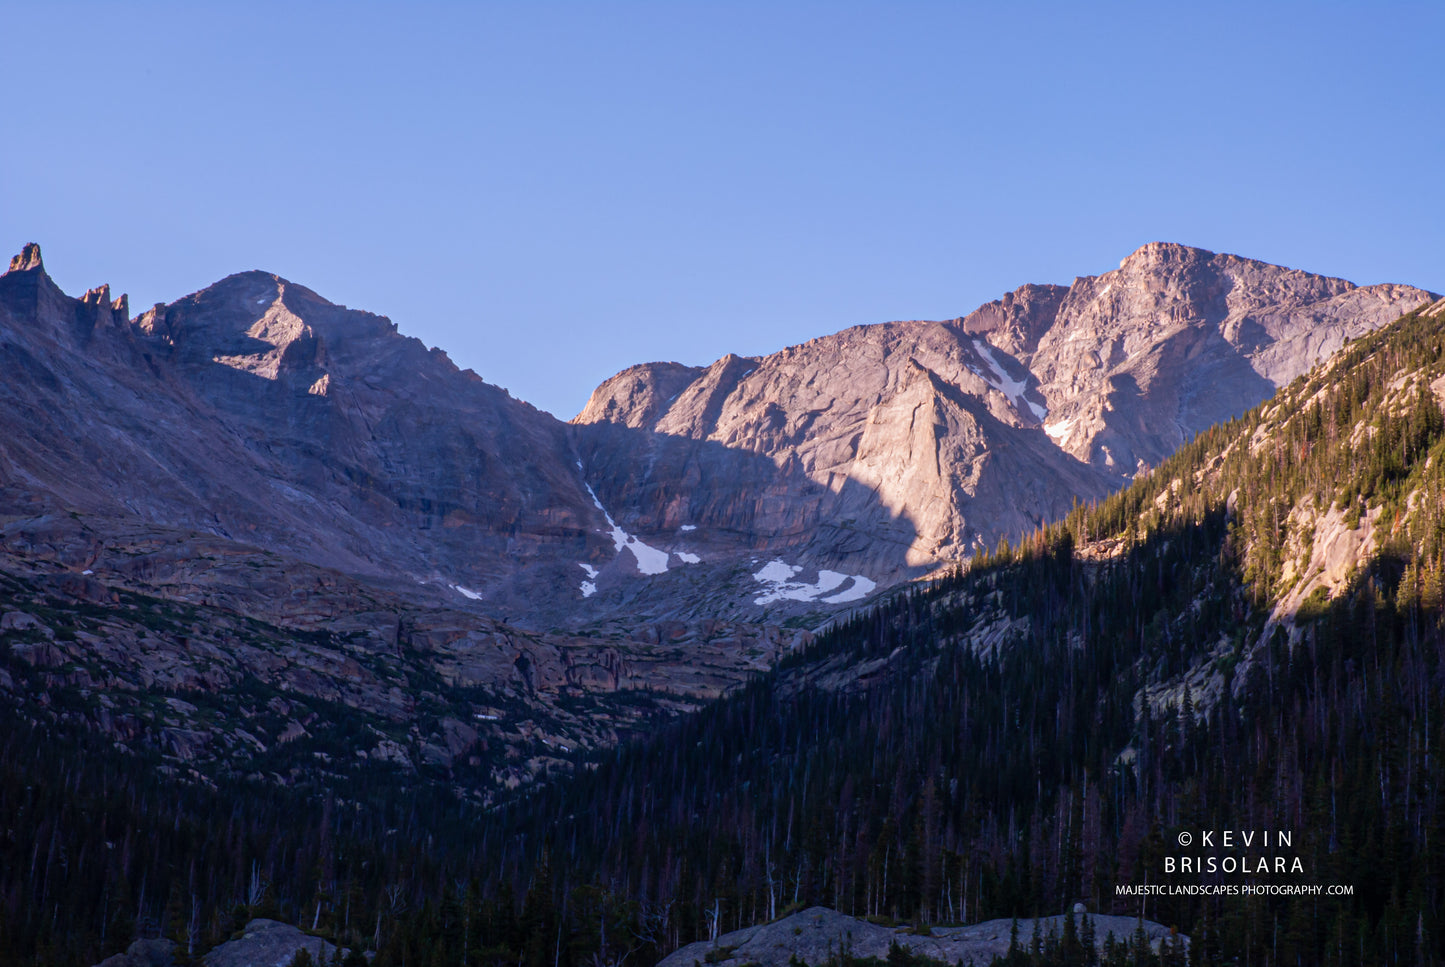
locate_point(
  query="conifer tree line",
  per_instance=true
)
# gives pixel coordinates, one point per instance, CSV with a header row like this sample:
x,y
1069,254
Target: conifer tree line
x,y
1027,733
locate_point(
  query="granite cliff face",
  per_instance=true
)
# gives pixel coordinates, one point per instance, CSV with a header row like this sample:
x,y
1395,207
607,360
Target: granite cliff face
x,y
896,447
880,450
1139,360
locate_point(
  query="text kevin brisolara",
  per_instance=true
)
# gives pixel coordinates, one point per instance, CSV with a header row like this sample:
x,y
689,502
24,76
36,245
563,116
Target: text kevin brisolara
x,y
1234,839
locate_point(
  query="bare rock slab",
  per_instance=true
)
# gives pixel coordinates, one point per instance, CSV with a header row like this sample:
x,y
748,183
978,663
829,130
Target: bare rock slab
x,y
268,943
818,934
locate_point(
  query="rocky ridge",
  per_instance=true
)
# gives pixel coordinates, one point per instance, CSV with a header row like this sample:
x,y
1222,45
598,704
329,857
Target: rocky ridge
x,y
257,412
269,943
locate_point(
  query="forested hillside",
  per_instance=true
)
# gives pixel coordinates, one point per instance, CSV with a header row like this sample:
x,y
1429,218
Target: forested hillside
x,y
1039,729
1248,638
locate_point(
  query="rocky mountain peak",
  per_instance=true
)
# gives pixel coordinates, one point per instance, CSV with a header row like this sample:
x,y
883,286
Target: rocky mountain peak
x,y
1155,254
264,325
31,295
637,395
28,259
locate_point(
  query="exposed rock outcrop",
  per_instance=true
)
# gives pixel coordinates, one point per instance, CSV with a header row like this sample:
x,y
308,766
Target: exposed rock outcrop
x,y
301,657
143,953
28,259
818,934
268,943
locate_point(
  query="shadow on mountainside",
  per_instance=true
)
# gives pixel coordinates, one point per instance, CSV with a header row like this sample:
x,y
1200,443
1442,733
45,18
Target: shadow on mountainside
x,y
738,510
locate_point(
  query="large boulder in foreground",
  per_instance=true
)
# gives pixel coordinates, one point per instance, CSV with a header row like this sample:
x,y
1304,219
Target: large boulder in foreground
x,y
267,943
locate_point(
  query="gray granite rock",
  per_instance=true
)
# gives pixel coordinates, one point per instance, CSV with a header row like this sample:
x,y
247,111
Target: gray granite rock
x,y
818,933
143,953
268,943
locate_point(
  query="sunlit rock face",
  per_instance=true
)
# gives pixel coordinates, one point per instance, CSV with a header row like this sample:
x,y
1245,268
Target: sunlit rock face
x,y
898,446
1139,360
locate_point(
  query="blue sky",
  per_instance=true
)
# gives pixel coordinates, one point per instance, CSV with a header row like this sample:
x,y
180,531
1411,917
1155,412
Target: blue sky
x,y
554,191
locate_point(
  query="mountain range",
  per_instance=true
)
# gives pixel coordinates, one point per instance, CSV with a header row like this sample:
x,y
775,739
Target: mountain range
x,y
255,453
283,554
296,434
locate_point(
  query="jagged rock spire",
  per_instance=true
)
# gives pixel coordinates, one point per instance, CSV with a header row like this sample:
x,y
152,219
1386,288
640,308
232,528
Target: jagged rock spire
x,y
99,297
29,258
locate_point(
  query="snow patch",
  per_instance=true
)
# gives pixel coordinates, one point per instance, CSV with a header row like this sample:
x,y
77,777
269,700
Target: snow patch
x,y
465,592
862,587
687,527
777,576
588,587
686,557
1060,429
1011,388
776,571
649,559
